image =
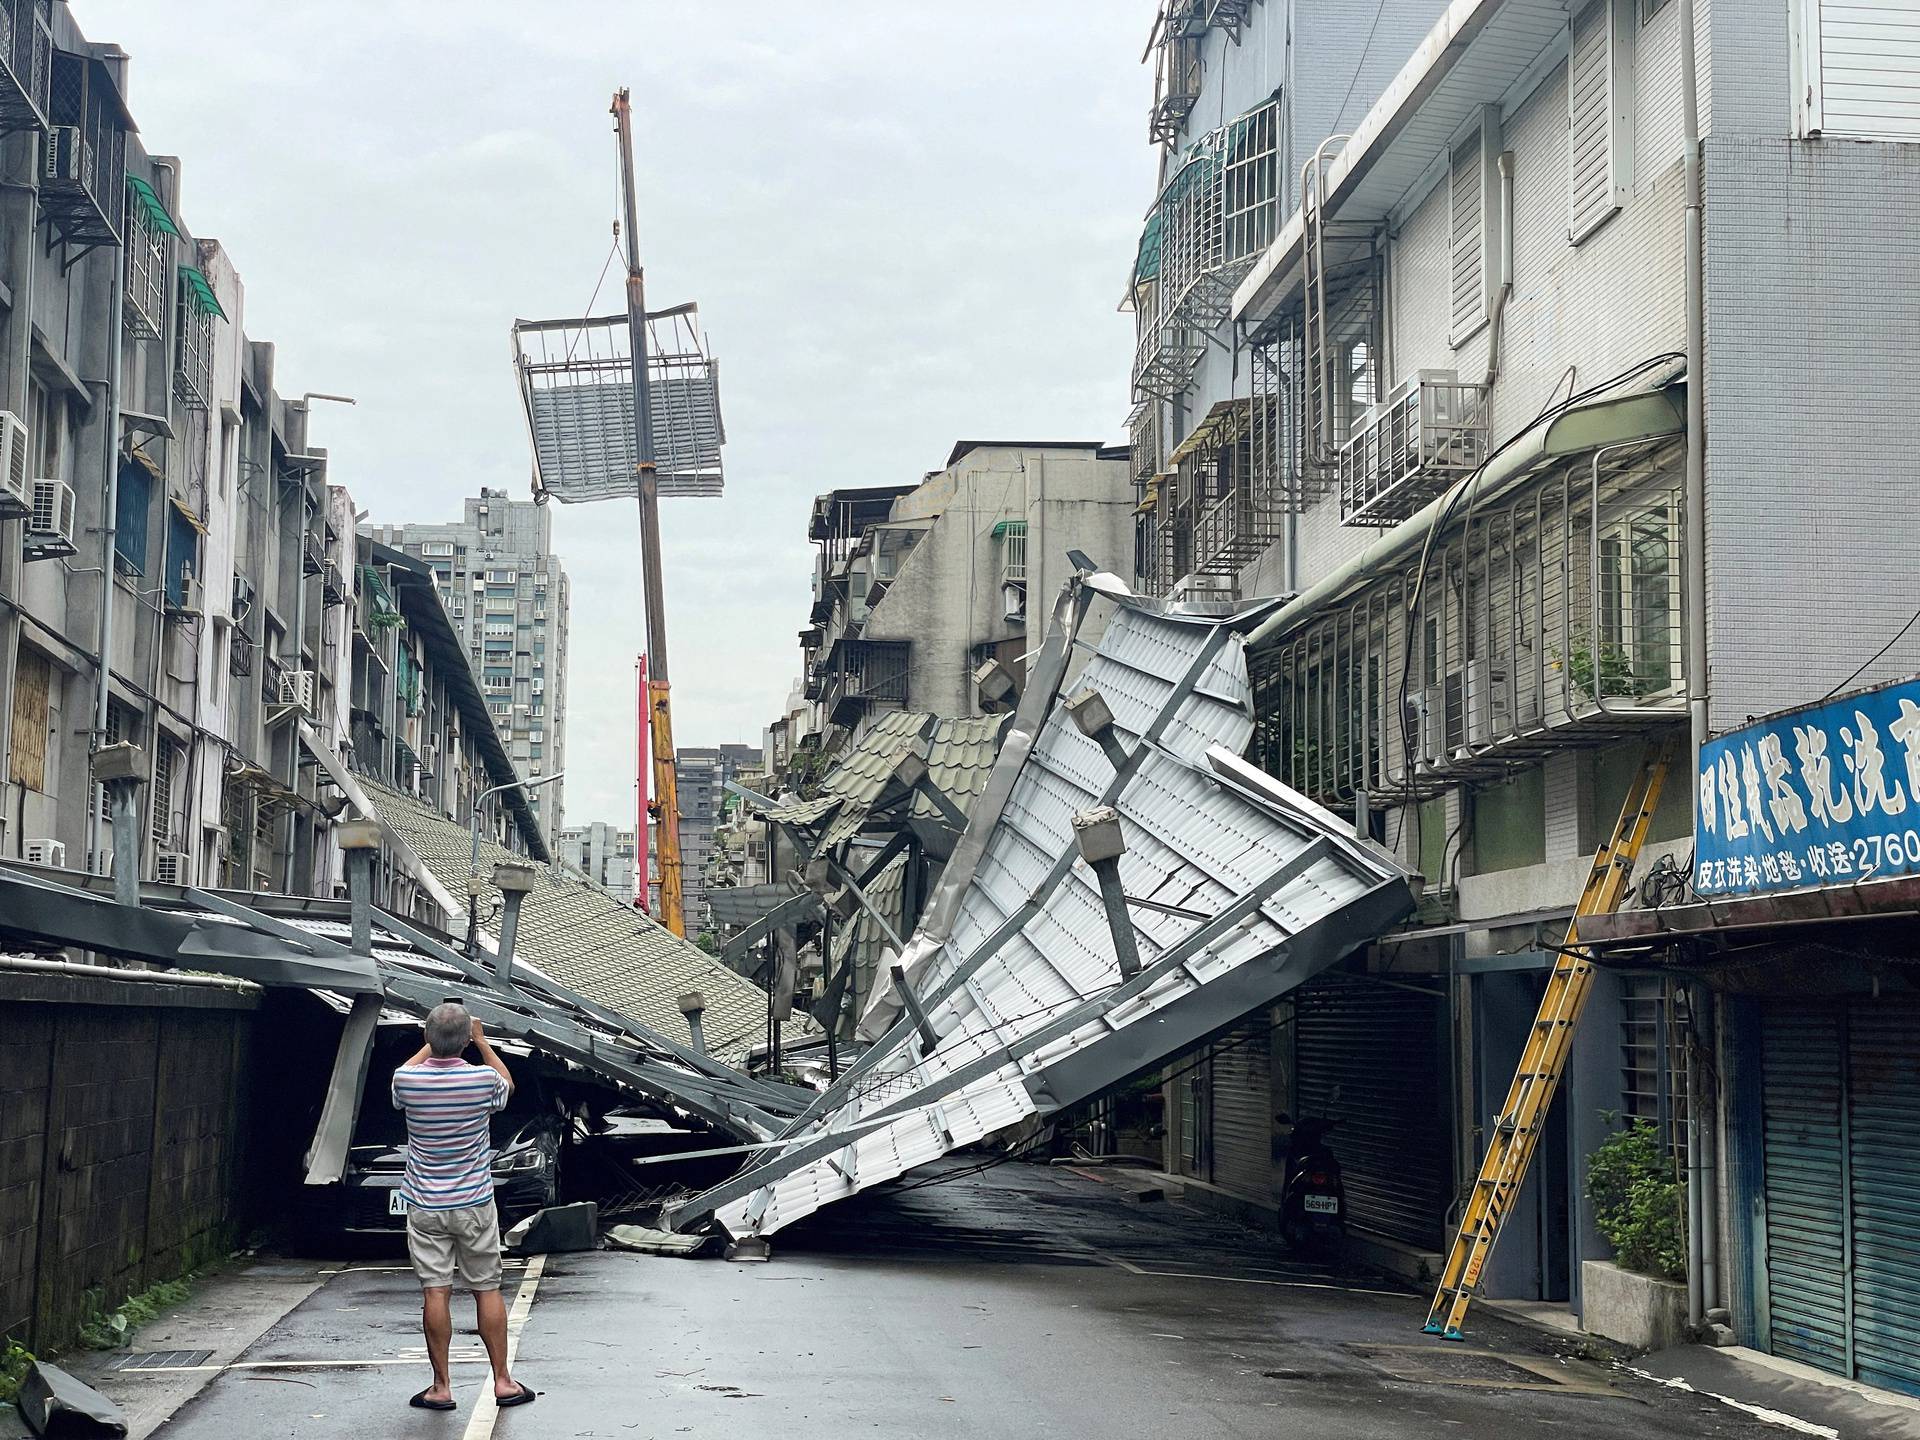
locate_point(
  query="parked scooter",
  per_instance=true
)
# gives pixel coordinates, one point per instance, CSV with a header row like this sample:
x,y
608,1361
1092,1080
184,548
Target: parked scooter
x,y
1313,1200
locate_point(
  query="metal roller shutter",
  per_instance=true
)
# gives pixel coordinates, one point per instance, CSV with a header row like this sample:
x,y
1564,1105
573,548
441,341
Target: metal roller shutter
x,y
1806,1201
1243,1111
1373,1057
1883,1149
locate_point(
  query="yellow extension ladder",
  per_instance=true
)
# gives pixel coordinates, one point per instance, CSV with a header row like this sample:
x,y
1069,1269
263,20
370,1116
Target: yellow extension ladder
x,y
1544,1058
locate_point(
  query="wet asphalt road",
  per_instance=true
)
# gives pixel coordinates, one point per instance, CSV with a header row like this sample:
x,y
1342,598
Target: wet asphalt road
x,y
1022,1301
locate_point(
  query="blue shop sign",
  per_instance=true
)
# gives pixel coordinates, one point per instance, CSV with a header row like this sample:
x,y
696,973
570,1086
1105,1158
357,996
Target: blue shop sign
x,y
1824,795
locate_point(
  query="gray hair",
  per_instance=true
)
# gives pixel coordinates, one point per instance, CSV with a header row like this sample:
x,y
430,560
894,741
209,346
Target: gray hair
x,y
449,1028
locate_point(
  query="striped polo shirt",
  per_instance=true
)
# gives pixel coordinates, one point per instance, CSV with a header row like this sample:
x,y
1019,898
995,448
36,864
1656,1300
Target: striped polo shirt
x,y
449,1151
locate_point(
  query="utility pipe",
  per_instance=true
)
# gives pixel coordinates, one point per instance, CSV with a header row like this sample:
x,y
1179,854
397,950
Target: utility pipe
x,y
299,658
109,506
23,200
32,965
1702,1218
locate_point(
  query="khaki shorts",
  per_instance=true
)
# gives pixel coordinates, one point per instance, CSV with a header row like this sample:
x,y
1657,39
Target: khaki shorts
x,y
443,1241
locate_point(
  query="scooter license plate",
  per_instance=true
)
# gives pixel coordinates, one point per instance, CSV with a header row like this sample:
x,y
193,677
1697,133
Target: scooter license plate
x,y
1321,1204
395,1204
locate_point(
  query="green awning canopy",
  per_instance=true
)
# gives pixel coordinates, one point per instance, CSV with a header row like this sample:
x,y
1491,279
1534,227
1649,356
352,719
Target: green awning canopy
x,y
1146,261
148,201
1004,528
201,291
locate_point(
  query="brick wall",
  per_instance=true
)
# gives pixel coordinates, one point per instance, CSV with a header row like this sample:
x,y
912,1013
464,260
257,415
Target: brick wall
x,y
123,1110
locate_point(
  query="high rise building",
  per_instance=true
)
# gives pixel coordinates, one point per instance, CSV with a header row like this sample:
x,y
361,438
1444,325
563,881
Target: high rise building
x,y
508,597
603,853
703,774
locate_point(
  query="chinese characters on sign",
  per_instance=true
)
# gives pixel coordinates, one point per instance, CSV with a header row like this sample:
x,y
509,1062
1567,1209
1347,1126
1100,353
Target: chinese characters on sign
x,y
1821,796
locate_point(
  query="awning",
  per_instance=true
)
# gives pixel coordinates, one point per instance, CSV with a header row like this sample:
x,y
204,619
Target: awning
x,y
1218,427
187,515
201,291
147,200
1648,415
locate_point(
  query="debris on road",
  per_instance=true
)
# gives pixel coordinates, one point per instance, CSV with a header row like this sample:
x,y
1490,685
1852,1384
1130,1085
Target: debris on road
x,y
60,1407
555,1229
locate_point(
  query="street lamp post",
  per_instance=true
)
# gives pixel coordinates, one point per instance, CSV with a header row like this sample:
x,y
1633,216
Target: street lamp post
x,y
473,862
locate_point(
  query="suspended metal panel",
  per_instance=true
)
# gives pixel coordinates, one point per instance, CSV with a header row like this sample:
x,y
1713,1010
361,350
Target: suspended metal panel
x,y
576,382
1014,964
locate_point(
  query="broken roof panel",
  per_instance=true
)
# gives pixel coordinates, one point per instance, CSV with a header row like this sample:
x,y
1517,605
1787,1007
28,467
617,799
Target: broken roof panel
x,y
1026,1009
590,940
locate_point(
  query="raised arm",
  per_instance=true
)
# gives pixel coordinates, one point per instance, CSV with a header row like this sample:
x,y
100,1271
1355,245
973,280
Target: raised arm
x,y
489,1057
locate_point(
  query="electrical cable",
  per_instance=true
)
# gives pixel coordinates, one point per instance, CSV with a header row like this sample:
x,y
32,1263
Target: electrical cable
x,y
1915,620
1366,47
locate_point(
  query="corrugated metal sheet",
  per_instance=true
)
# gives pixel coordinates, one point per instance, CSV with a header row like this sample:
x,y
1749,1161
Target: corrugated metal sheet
x,y
1883,1172
591,941
1014,962
583,437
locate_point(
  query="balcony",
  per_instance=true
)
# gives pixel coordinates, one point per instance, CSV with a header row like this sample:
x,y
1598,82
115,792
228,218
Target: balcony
x,y
1410,449
26,63
1179,31
83,186
1547,618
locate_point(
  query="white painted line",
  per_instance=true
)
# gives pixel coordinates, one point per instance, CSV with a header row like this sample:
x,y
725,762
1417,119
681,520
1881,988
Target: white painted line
x,y
336,1364
1759,1412
485,1412
1133,1269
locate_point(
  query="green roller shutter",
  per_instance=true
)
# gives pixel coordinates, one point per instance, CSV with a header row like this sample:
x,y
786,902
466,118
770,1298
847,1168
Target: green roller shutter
x,y
1805,1152
1841,1108
1883,1141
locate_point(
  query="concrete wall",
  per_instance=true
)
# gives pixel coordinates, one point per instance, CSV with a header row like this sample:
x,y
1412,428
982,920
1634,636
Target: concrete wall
x,y
123,1117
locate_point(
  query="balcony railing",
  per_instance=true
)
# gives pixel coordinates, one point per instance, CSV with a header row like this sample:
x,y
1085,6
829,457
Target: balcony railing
x,y
26,63
83,187
1547,618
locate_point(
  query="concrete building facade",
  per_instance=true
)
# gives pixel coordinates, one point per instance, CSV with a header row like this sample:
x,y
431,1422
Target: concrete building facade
x,y
704,771
508,596
604,853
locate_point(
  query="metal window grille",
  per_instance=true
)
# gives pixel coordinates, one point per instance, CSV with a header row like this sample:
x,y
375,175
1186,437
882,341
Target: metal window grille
x,y
1013,553
83,185
160,817
1530,629
149,272
1407,450
193,352
26,60
1252,177
1653,1059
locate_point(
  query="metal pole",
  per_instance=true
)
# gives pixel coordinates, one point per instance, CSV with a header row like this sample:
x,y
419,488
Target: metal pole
x,y
510,902
299,649
1113,898
665,781
125,795
110,501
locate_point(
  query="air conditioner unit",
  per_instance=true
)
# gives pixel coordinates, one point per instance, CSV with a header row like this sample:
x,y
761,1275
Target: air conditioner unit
x,y
66,155
1489,703
187,607
243,595
15,493
296,688
1013,601
52,509
43,852
173,867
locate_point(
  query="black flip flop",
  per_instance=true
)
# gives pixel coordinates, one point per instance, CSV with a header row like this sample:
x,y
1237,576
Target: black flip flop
x,y
421,1402
525,1397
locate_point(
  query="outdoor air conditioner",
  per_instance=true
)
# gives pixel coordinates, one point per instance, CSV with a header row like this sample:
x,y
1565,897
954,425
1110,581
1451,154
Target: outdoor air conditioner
x,y
66,154
43,852
188,605
296,688
173,867
14,490
1013,601
1489,704
52,509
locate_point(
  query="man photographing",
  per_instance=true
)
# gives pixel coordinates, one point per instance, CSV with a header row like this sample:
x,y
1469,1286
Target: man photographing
x,y
452,1225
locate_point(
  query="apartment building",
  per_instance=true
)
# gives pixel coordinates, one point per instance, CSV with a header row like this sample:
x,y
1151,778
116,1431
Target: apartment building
x,y
604,853
161,505
926,595
703,772
508,596
1461,430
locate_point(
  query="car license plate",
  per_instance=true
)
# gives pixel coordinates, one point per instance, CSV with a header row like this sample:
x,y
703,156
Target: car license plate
x,y
1322,1204
396,1205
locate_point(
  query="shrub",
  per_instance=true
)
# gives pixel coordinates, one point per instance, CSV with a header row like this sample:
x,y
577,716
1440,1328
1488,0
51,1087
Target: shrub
x,y
15,1360
1637,1203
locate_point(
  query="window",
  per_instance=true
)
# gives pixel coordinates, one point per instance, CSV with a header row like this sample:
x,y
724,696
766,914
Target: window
x,y
183,558
47,422
133,499
1638,589
1852,70
1468,223
1252,181
165,755
150,235
1597,91
193,342
438,549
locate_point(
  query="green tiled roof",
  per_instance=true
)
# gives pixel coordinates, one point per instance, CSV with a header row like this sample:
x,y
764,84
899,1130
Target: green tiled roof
x,y
591,941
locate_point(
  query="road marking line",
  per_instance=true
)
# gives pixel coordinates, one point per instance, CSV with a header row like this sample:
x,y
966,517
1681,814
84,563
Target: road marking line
x,y
1759,1412
337,1364
1133,1269
485,1411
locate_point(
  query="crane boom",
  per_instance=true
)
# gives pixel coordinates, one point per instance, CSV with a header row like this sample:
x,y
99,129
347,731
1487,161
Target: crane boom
x,y
666,790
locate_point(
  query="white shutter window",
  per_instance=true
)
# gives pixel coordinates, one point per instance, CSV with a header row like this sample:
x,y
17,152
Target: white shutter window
x,y
1466,207
1857,68
1596,121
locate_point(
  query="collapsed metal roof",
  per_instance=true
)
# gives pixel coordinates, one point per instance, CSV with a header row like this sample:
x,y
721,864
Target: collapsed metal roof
x,y
1016,1004
302,943
587,938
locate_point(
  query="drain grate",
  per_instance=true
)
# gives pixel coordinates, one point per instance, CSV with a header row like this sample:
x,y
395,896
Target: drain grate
x,y
1481,1369
162,1360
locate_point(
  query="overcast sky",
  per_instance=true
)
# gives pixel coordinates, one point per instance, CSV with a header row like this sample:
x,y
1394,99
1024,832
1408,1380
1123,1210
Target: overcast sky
x,y
904,223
